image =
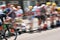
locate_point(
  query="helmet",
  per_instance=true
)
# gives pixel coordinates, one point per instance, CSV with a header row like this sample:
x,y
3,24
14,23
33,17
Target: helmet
x,y
58,8
18,19
3,7
30,7
53,4
48,3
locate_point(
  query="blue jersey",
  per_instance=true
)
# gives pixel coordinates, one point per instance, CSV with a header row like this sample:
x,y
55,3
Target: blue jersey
x,y
8,10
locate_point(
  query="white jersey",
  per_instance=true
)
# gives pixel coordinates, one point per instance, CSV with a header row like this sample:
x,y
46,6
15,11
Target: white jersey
x,y
1,12
20,11
48,9
34,9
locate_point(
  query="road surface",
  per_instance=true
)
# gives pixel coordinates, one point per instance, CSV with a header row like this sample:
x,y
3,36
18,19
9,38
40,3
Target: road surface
x,y
53,34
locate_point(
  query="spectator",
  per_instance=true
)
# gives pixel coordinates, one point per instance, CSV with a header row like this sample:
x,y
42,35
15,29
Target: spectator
x,y
53,8
19,11
36,10
43,12
48,8
10,11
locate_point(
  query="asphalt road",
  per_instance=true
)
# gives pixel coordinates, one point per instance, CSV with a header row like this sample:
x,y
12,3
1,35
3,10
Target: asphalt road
x,y
53,34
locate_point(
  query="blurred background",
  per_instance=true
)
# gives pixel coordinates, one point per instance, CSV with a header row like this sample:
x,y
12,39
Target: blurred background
x,y
25,3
